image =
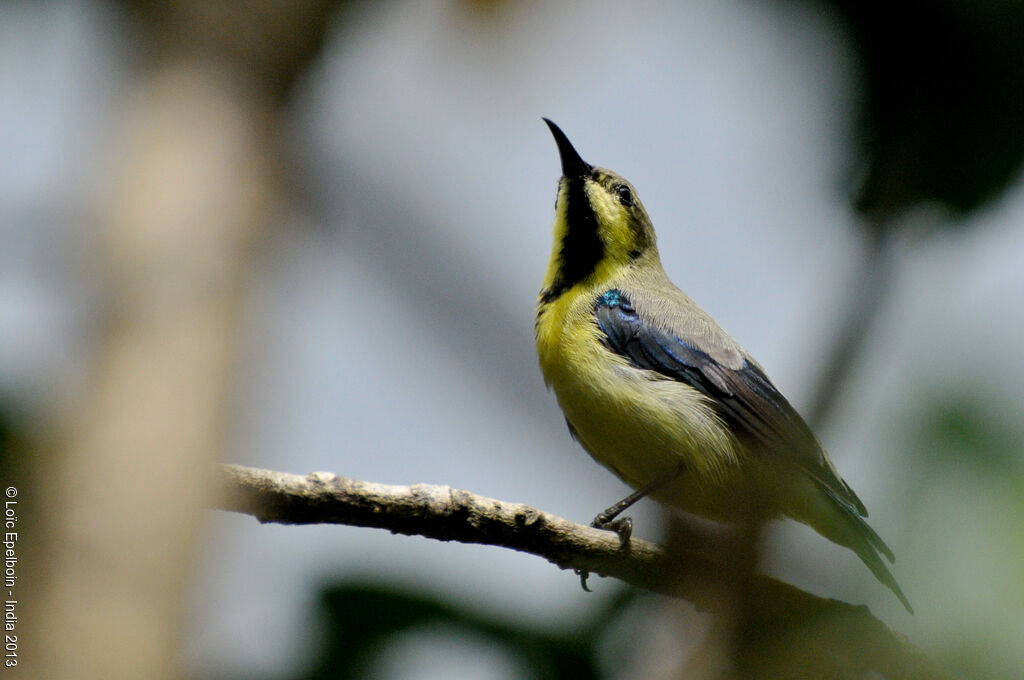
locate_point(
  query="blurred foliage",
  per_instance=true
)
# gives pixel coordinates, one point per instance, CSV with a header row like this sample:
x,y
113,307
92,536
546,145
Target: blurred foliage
x,y
361,619
942,100
963,431
969,476
939,123
14,443
8,437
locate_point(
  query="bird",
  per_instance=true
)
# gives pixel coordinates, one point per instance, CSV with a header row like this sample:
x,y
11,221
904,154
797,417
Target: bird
x,y
657,392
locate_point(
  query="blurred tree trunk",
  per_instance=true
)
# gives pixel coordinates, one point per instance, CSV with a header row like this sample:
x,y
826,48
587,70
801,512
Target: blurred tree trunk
x,y
123,493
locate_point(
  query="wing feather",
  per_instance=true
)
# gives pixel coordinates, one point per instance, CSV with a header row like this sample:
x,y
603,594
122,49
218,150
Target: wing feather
x,y
743,397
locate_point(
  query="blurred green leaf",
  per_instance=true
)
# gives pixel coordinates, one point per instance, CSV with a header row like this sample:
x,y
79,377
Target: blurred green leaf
x,y
942,100
964,509
955,432
362,618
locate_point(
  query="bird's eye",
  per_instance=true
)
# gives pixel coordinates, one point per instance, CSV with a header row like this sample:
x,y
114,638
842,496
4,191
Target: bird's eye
x,y
625,195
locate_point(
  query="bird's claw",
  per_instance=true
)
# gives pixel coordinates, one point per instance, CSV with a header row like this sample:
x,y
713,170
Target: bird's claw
x,y
584,574
622,526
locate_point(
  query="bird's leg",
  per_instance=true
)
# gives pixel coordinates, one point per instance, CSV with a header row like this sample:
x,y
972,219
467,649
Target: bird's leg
x,y
624,525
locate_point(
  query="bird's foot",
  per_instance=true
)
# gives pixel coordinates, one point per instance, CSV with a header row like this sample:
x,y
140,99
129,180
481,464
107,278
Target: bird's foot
x,y
623,526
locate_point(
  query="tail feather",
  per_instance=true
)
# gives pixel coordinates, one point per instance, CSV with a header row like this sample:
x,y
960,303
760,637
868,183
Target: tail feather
x,y
868,546
863,527
838,521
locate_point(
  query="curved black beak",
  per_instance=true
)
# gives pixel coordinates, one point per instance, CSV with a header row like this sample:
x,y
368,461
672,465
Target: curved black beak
x,y
572,164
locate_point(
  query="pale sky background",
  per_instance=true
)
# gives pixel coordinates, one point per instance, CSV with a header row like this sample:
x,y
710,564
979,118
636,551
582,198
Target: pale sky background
x,y
389,332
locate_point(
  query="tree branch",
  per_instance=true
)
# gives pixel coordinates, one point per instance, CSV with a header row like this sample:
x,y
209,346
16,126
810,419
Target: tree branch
x,y
783,627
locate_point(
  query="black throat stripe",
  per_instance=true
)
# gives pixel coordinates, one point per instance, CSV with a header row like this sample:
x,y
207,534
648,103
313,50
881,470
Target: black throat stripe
x,y
582,248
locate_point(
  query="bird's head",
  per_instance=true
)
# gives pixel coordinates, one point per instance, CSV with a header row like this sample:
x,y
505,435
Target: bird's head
x,y
600,223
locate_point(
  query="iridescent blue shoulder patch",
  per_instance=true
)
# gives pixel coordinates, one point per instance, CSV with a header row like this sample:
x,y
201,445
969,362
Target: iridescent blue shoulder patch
x,y
611,298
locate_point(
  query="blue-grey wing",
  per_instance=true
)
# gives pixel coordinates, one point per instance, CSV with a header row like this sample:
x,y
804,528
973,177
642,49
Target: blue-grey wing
x,y
743,397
